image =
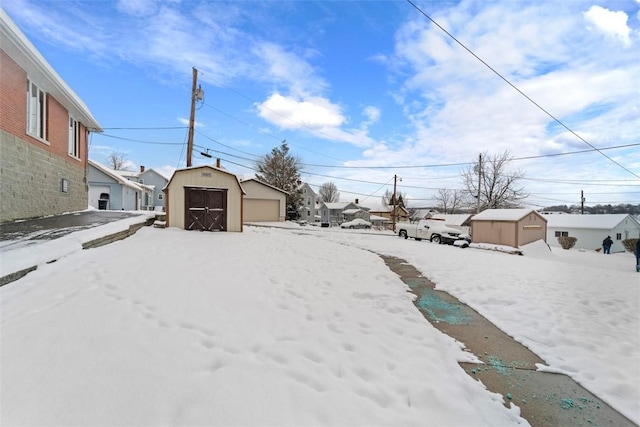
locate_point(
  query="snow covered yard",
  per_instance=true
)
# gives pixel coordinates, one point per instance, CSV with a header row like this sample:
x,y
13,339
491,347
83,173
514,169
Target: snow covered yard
x,y
298,327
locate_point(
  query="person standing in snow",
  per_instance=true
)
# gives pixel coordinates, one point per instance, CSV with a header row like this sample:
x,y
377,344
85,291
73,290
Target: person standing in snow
x,y
638,255
606,245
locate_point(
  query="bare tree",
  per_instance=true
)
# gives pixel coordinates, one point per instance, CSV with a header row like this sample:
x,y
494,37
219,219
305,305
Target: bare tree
x,y
117,160
282,169
448,200
498,188
329,193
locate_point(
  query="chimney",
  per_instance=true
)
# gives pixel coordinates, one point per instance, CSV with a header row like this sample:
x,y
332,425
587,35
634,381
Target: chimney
x,y
357,200
141,169
218,163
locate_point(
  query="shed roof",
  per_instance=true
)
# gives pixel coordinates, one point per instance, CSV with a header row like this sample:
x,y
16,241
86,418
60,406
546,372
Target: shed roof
x,y
503,215
190,168
596,222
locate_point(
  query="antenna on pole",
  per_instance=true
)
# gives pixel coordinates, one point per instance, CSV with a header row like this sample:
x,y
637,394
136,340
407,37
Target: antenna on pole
x,y
195,94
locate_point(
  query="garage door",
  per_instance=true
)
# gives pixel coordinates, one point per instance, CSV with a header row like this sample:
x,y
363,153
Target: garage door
x,y
95,193
205,209
261,210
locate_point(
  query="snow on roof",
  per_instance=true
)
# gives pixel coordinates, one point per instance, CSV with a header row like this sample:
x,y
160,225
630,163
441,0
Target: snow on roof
x,y
116,175
453,219
502,214
265,184
599,222
351,211
25,54
209,167
336,205
376,218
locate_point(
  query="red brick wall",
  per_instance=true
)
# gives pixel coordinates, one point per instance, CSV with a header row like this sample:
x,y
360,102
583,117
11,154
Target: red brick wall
x,y
13,97
13,114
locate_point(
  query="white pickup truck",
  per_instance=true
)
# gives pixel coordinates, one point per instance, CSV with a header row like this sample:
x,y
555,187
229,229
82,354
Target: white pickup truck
x,y
431,229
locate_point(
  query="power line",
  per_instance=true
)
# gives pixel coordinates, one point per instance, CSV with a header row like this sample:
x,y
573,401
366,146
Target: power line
x,y
150,128
554,118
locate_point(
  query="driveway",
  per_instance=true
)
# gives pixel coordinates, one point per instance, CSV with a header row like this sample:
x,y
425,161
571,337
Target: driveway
x,y
28,232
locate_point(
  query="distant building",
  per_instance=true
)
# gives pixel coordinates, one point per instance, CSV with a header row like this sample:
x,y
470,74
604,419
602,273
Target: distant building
x,y
508,227
310,209
590,230
44,129
153,179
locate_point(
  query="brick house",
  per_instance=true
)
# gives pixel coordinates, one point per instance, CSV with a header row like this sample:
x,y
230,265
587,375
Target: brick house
x,y
44,129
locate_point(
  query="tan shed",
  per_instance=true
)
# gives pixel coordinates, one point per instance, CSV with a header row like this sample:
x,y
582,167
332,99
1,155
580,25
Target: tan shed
x,y
204,198
508,227
263,202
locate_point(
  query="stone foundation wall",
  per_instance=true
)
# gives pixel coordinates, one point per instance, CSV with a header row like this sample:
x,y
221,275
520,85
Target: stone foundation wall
x,y
31,181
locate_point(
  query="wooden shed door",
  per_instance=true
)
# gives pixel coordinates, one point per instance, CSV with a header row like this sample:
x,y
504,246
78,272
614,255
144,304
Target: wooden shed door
x,y
206,209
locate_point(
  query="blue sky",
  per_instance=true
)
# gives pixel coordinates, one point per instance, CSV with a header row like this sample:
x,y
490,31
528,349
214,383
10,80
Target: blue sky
x,y
362,90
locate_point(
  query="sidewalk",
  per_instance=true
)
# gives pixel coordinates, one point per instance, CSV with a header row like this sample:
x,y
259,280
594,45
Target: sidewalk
x,y
509,368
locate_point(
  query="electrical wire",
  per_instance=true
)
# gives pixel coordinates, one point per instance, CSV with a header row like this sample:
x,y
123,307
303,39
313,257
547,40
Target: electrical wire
x,y
554,118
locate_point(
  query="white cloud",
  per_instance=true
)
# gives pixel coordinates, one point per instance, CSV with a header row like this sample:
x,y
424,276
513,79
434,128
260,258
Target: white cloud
x,y
288,69
295,113
372,114
185,122
611,24
137,7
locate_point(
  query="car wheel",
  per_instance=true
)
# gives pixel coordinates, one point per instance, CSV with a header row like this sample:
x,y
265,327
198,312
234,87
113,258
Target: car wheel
x,y
436,239
403,233
351,227
367,227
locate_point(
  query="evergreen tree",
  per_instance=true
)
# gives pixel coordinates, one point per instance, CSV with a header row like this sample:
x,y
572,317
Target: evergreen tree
x,y
282,169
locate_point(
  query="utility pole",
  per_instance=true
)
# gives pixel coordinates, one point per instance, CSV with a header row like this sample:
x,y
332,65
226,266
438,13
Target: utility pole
x,y
192,118
479,181
393,212
581,202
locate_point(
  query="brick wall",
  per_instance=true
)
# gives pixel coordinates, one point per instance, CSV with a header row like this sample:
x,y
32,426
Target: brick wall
x,y
31,170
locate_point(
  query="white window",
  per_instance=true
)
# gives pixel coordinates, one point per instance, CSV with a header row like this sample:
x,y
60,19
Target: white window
x,y
74,138
36,111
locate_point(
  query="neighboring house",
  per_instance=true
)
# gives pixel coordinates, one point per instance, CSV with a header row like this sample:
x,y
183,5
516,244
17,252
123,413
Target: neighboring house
x,y
508,227
416,214
379,221
334,213
461,222
310,209
353,213
401,213
44,129
263,202
154,180
109,190
204,198
591,230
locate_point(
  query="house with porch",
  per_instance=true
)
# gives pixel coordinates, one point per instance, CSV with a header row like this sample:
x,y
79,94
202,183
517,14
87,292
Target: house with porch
x,y
336,213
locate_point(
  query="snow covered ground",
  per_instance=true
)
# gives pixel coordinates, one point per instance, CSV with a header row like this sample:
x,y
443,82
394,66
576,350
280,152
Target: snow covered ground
x,y
297,326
